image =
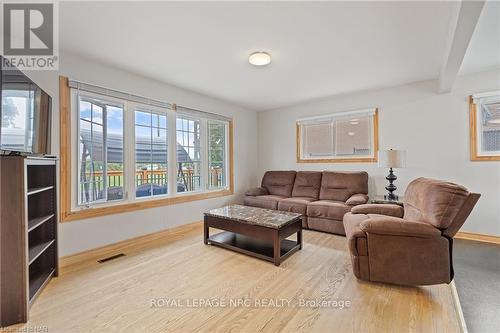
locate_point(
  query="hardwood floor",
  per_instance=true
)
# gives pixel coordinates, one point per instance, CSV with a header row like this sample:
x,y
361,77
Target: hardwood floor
x,y
117,296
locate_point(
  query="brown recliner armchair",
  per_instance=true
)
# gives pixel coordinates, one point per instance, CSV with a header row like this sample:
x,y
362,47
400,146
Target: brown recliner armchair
x,y
411,245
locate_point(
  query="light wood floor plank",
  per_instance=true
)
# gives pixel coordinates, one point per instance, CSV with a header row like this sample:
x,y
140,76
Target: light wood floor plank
x,y
116,296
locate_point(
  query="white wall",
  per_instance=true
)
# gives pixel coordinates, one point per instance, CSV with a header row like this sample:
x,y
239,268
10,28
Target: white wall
x,y
82,235
433,129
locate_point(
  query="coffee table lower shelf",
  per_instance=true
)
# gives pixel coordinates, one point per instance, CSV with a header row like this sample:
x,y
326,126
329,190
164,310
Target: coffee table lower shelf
x,y
253,247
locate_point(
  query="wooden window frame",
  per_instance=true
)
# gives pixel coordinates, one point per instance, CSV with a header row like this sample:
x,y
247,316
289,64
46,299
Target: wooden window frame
x,y
66,213
373,159
473,135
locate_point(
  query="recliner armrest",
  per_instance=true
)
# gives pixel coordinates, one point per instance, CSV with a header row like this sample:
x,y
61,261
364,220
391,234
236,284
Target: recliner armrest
x,y
385,225
357,199
253,192
381,209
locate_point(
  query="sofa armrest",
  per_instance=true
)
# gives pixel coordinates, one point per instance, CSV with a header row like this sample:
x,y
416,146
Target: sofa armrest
x,y
253,192
385,225
357,199
380,209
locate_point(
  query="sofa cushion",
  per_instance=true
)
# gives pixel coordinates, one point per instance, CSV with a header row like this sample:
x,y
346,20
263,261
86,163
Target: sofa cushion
x,y
326,225
357,199
328,209
256,191
341,185
394,226
307,184
279,182
295,204
433,201
381,209
263,201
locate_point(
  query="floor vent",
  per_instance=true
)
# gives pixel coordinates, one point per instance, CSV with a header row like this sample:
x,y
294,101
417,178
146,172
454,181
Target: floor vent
x,y
102,261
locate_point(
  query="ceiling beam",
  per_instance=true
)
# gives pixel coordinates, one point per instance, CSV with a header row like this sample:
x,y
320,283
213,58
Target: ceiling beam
x,y
462,24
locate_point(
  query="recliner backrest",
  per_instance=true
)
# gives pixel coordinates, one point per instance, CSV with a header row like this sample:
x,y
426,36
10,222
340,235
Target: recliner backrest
x,y
340,185
436,202
307,184
279,182
462,215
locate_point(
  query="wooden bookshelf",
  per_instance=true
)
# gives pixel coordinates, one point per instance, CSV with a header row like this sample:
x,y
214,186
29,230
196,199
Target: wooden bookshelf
x,y
28,233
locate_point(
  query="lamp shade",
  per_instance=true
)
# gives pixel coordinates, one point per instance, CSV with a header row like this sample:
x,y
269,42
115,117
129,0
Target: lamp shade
x,y
392,158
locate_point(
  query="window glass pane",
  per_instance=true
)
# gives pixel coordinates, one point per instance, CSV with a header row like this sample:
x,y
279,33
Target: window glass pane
x,y
96,114
114,152
100,151
490,128
85,110
216,154
188,155
142,118
151,154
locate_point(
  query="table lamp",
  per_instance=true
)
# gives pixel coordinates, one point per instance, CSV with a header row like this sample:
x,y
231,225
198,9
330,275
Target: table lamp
x,y
391,159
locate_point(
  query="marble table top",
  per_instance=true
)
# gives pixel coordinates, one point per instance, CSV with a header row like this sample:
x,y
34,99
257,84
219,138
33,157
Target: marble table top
x,y
253,215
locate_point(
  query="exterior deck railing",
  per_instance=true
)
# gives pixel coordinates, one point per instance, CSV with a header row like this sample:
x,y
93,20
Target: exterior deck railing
x,y
187,179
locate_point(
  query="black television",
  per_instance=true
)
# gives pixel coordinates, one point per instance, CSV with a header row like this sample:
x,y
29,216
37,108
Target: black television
x,y
25,112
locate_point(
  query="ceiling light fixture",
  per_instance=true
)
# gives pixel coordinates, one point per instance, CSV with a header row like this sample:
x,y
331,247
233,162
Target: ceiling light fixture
x,y
351,133
259,58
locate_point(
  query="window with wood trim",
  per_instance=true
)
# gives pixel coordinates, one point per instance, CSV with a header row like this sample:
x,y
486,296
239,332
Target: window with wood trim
x,y
121,152
341,137
485,126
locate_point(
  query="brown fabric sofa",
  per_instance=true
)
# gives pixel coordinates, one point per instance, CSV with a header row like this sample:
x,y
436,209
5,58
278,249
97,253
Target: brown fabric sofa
x,y
411,245
321,197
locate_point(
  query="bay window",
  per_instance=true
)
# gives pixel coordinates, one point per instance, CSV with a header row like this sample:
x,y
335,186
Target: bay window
x,y
136,153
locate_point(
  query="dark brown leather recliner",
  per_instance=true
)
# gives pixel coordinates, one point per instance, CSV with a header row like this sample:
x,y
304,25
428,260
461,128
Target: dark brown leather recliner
x,y
411,245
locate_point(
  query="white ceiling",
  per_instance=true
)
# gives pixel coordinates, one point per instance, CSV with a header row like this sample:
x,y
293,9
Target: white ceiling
x,y
318,49
484,48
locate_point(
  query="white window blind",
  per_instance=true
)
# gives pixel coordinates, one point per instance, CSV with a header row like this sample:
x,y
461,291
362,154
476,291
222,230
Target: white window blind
x,y
337,136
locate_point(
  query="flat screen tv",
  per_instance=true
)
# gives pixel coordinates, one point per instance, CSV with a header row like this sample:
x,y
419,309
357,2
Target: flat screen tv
x,y
26,115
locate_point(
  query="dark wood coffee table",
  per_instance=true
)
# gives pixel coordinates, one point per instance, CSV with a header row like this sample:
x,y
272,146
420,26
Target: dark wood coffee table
x,y
257,232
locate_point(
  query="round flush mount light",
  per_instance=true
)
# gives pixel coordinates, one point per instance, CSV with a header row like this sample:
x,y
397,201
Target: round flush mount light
x,y
351,133
259,58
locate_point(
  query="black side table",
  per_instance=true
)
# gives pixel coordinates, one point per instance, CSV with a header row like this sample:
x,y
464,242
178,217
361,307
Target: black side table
x,y
380,199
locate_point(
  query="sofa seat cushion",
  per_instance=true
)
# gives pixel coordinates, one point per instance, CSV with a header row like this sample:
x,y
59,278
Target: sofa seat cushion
x,y
328,209
263,201
296,205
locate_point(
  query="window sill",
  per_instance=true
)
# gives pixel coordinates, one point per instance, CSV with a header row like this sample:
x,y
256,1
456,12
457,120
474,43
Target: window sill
x,y
140,205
